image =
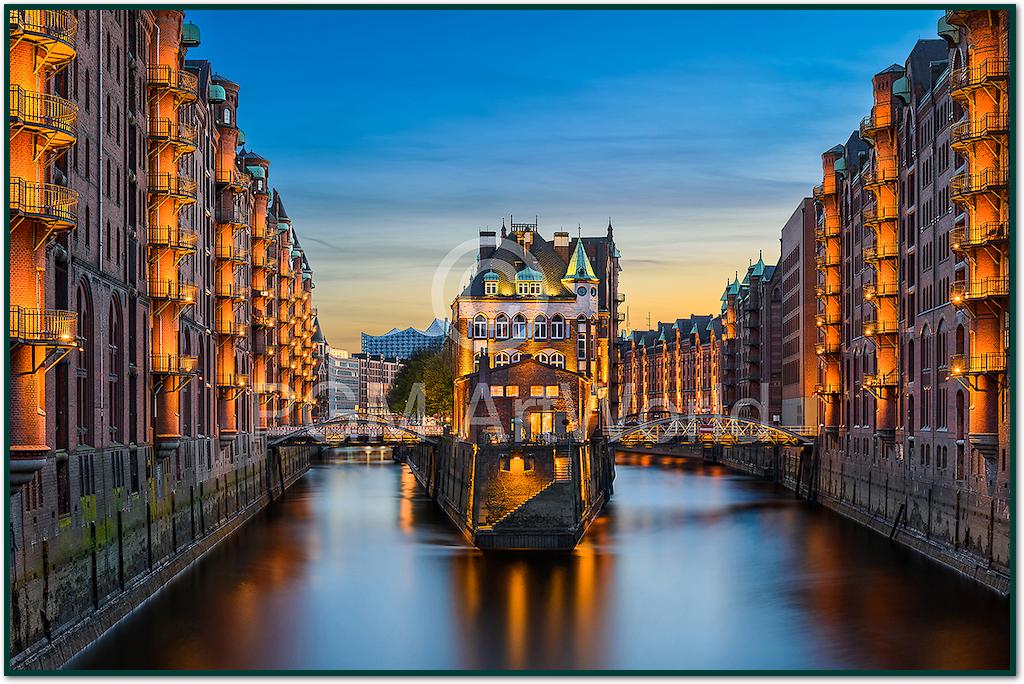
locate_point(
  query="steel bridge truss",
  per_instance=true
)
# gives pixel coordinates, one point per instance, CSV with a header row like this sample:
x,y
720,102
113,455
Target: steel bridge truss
x,y
703,429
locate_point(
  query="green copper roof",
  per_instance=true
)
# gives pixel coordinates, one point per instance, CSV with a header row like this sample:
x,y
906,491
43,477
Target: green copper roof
x,y
491,276
256,171
734,288
296,254
948,31
579,267
189,35
216,94
241,137
529,274
901,89
759,266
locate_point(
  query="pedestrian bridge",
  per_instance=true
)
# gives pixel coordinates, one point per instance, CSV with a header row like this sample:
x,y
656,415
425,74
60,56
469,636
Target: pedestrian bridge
x,y
356,428
665,428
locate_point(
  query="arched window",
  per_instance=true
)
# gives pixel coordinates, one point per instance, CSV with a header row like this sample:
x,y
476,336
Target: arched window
x,y
557,360
519,327
542,357
480,327
514,357
540,328
116,372
910,360
501,359
501,327
85,394
581,337
227,115
910,415
557,327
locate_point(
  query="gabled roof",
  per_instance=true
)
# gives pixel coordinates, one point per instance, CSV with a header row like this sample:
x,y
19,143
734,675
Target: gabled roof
x,y
579,268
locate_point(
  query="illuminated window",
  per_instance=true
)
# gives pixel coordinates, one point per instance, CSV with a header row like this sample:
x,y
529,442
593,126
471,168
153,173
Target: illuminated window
x,y
551,391
501,359
519,327
542,357
512,390
480,327
537,390
557,360
501,327
557,327
490,288
540,328
497,391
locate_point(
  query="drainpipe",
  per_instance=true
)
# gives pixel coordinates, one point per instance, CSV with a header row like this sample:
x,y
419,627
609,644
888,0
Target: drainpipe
x,y
99,232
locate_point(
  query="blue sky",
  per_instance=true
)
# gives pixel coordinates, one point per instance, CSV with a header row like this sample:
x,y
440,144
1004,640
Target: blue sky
x,y
394,136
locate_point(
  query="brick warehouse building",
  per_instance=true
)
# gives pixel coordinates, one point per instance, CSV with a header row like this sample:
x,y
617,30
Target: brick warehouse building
x,y
161,316
899,270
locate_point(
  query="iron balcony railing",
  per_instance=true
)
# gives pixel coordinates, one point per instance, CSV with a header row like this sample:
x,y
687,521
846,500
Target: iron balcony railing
x,y
877,253
826,348
828,228
229,290
977,236
44,112
232,179
878,328
172,185
883,170
232,215
879,379
173,364
826,290
234,380
172,290
826,261
988,70
961,291
987,180
44,202
43,326
874,291
821,320
229,326
179,134
873,122
822,389
57,25
173,237
978,364
986,126
183,83
262,320
232,253
260,232
818,192
877,214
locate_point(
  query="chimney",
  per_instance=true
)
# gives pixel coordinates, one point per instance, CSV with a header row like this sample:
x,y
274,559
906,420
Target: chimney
x,y
488,243
562,245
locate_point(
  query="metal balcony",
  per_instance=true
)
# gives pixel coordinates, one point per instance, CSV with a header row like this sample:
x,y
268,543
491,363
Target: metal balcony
x,y
990,125
182,137
818,192
173,364
874,122
980,364
234,253
876,253
824,320
827,348
880,328
182,84
824,261
873,291
878,214
53,205
229,327
232,380
174,186
882,171
988,72
43,114
44,327
175,238
53,31
961,239
262,320
962,292
880,380
233,216
829,228
232,179
822,389
172,290
987,180
826,290
229,291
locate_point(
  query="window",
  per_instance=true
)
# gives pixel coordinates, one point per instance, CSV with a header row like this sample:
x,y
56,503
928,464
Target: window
x,y
540,328
537,390
480,327
490,287
519,327
512,390
551,391
502,359
557,360
227,115
542,358
557,328
497,390
501,327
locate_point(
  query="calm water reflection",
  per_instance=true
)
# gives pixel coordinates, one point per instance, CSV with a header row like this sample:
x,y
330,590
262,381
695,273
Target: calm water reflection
x,y
691,566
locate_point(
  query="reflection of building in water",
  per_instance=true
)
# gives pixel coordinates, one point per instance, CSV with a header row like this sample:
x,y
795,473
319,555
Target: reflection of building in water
x,y
542,611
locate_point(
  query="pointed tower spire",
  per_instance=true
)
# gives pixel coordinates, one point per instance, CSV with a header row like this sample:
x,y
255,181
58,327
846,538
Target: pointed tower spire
x,y
579,269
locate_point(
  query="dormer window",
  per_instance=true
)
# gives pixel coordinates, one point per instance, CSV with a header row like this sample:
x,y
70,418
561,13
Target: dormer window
x,y
490,283
528,282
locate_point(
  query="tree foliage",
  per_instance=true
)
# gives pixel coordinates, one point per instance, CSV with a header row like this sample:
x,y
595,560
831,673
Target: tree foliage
x,y
425,385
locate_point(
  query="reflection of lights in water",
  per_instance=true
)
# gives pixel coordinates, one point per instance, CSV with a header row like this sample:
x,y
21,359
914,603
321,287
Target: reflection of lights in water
x,y
405,510
517,607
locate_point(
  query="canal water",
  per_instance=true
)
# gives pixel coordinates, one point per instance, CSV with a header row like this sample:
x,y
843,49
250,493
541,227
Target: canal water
x,y
691,566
